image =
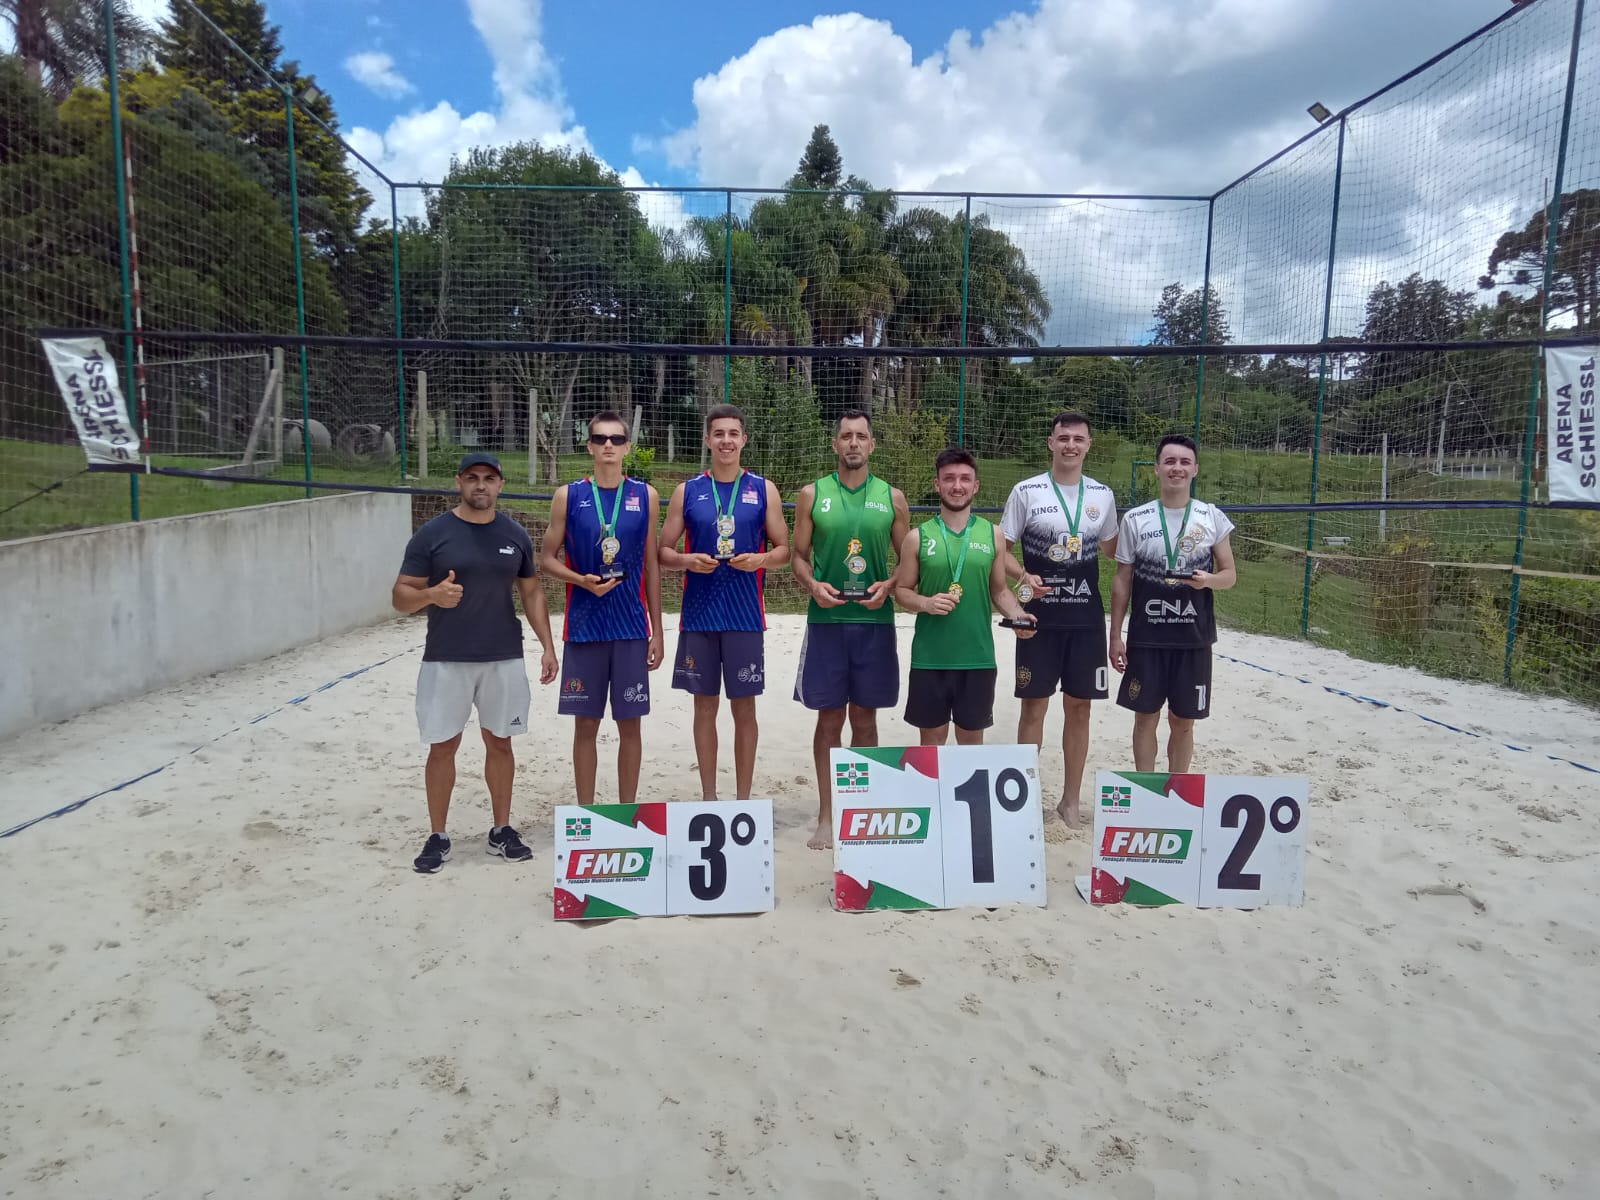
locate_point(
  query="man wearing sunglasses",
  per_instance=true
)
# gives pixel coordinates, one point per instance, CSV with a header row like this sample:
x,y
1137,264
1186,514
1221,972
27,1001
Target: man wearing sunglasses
x,y
601,543
732,524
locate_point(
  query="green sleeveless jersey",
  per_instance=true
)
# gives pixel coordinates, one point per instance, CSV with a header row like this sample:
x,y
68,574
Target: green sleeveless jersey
x,y
962,639
839,516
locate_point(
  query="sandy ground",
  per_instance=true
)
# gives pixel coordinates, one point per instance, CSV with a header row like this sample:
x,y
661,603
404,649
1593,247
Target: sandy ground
x,y
225,980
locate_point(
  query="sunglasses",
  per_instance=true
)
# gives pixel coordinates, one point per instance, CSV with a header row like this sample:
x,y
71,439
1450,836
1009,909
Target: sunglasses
x,y
608,439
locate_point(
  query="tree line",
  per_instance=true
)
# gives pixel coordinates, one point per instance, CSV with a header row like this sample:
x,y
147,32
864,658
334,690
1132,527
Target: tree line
x,y
494,253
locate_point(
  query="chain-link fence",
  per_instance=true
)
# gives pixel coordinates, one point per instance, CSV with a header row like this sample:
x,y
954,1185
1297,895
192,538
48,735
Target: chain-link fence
x,y
1370,303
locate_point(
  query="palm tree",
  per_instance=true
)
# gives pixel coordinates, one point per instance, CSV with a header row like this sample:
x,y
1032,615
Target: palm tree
x,y
62,43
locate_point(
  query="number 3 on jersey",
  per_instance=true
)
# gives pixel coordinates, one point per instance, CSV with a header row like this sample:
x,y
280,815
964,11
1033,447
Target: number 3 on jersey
x,y
826,505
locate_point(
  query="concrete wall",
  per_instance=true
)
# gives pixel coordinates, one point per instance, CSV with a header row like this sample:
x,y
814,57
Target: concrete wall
x,y
99,615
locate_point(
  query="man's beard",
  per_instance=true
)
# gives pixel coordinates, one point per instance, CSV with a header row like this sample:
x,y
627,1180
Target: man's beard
x,y
480,501
961,507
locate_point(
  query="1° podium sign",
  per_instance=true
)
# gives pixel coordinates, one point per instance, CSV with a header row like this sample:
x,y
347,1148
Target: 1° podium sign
x,y
936,827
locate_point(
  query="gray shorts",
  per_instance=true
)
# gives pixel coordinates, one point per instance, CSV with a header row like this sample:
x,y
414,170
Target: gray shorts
x,y
447,691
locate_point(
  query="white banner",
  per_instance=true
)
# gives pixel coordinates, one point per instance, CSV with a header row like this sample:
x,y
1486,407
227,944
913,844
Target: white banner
x,y
87,377
1571,431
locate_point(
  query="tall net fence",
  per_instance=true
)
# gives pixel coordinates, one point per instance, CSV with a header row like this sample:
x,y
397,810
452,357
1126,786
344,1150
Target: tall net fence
x,y
309,322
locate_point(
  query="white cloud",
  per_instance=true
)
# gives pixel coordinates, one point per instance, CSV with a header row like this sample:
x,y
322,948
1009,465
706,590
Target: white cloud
x,y
376,70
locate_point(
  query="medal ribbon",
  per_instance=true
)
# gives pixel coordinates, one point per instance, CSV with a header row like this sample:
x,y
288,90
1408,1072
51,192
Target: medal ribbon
x,y
1172,555
716,496
1072,518
960,563
607,527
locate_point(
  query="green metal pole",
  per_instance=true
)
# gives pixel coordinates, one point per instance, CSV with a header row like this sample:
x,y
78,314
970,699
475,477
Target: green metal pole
x,y
727,299
1205,327
966,281
1553,224
1322,386
399,328
299,292
119,151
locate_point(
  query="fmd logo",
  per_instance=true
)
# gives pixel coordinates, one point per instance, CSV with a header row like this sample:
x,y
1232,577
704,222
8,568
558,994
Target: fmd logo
x,y
883,825
1145,845
601,866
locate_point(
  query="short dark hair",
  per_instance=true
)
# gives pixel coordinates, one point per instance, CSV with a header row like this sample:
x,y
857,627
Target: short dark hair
x,y
725,412
954,456
853,414
610,414
1070,416
1177,439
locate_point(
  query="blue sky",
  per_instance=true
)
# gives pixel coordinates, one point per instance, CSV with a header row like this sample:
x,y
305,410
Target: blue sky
x,y
1052,95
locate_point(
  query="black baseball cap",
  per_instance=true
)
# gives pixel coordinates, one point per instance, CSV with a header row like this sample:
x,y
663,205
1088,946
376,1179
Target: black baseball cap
x,y
479,459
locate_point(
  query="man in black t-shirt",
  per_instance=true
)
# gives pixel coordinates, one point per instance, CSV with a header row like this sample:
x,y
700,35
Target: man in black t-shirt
x,y
461,566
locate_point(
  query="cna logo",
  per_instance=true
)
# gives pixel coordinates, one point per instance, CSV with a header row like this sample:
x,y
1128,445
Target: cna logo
x,y
609,865
851,777
1169,610
1145,845
1074,587
884,825
577,829
1118,796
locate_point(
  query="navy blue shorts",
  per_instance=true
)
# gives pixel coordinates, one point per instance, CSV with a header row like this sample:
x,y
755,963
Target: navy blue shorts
x,y
848,663
591,670
732,660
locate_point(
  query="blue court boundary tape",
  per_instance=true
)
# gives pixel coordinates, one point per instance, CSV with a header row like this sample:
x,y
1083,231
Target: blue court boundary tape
x,y
127,783
1375,703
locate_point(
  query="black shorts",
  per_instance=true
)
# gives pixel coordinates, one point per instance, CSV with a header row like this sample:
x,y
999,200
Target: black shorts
x,y
1177,678
935,698
1073,659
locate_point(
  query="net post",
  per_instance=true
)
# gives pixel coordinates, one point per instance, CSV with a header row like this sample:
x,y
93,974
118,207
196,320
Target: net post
x,y
1552,227
1205,331
119,152
277,407
1322,385
966,280
422,423
727,297
299,290
399,324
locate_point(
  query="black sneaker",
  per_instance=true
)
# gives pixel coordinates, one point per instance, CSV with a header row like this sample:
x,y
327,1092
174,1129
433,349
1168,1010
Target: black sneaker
x,y
508,845
433,854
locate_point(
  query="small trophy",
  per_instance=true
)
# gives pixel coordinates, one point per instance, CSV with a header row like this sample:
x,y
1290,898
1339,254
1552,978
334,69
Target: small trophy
x,y
610,547
855,587
725,529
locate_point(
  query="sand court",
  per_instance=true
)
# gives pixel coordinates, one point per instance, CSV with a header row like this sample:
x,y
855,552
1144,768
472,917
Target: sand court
x,y
225,979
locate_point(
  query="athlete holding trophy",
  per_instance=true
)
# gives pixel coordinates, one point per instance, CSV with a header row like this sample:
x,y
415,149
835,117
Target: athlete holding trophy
x,y
845,525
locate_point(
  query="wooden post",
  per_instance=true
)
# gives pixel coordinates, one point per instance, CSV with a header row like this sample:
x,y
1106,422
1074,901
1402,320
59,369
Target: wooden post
x,y
421,419
533,435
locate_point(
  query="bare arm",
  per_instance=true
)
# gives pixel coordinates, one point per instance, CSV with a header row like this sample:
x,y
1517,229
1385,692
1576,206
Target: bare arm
x,y
1004,598
909,574
551,559
670,556
411,593
652,582
1225,576
1015,570
1121,593
822,592
537,610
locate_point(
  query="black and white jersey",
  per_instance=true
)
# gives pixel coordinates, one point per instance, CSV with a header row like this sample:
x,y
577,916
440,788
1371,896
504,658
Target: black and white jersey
x,y
1033,518
1166,612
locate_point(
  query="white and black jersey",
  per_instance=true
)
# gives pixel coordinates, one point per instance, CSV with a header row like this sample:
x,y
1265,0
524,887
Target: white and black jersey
x,y
1033,518
1166,612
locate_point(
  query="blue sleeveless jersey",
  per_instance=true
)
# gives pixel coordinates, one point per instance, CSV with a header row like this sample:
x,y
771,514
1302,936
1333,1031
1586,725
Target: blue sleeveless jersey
x,y
620,614
727,598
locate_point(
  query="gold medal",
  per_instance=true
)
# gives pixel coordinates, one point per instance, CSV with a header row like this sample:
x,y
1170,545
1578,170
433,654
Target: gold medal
x,y
955,590
609,549
725,547
1056,553
725,527
1074,544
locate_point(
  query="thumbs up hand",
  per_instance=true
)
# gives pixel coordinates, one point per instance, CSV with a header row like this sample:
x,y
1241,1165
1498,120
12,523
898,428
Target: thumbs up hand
x,y
447,592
